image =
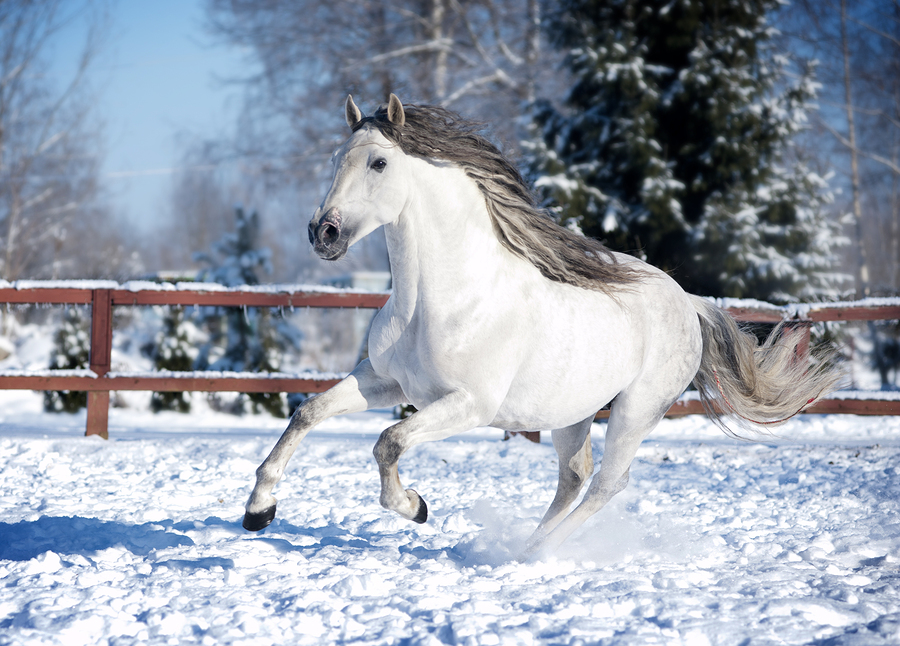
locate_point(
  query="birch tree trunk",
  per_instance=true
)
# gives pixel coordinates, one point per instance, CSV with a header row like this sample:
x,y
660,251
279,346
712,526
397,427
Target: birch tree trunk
x,y
532,49
439,56
862,268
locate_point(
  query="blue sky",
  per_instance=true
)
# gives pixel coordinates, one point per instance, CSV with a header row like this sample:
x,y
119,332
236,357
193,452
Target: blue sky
x,y
159,81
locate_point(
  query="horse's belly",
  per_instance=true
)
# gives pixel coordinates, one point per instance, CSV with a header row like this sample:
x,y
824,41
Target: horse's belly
x,y
536,403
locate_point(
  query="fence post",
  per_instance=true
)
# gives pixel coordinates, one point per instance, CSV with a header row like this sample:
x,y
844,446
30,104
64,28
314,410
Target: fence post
x,y
800,329
101,358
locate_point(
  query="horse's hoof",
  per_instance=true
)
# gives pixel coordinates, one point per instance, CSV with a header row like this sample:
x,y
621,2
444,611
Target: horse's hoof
x,y
256,522
422,513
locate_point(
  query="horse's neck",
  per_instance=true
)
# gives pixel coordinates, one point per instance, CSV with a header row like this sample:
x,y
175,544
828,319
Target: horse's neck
x,y
443,242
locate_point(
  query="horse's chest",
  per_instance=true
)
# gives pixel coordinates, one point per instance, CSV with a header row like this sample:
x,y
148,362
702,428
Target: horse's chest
x,y
424,356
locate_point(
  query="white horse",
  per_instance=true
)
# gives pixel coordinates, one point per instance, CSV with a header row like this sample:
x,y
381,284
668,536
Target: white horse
x,y
499,317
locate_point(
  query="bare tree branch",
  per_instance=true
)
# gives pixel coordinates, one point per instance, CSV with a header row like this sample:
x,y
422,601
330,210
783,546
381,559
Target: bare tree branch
x,y
48,167
442,45
498,76
890,164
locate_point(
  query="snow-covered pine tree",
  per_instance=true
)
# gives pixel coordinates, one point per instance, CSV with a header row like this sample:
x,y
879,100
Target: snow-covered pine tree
x,y
71,351
173,349
676,143
248,338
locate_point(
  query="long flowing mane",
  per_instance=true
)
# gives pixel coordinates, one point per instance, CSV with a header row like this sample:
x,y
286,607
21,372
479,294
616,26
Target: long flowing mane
x,y
522,226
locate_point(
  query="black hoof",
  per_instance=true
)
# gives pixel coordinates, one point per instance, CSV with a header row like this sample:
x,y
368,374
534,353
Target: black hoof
x,y
421,515
256,522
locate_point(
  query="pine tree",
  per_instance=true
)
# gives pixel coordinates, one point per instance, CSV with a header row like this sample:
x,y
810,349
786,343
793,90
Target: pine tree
x,y
675,143
251,340
173,350
71,351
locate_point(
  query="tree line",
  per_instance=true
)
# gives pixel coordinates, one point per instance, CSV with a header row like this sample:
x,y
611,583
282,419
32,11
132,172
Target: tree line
x,y
717,139
749,148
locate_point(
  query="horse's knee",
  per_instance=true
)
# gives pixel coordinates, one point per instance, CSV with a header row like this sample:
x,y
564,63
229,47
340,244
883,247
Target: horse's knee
x,y
312,411
388,448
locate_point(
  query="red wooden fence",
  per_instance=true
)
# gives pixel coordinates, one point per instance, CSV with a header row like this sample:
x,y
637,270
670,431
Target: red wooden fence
x,y
102,296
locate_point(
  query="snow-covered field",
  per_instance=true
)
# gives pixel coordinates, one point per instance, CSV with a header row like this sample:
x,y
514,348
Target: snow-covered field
x,y
138,539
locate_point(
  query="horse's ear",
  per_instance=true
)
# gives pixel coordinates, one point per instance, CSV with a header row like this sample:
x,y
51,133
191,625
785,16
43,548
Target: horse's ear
x,y
395,112
351,112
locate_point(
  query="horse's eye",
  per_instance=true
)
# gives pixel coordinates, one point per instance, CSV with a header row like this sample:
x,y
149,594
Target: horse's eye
x,y
378,165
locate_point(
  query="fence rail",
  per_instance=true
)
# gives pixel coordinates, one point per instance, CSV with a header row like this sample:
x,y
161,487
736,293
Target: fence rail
x,y
102,296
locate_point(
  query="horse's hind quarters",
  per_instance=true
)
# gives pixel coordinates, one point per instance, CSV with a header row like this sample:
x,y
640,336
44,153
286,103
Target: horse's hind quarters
x,y
255,522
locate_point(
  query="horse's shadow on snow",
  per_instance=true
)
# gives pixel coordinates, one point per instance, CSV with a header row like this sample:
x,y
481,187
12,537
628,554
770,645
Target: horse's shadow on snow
x,y
25,540
77,535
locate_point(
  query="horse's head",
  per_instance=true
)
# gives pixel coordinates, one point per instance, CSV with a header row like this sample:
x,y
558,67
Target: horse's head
x,y
368,189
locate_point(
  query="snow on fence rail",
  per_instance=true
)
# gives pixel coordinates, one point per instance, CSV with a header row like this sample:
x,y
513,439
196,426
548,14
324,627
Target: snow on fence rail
x,y
102,296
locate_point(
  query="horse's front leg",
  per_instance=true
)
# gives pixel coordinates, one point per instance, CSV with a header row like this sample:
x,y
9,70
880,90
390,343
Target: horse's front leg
x,y
361,390
452,414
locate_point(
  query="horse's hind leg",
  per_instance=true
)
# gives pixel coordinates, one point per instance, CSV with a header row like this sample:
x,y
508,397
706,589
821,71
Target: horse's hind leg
x,y
576,464
361,390
630,421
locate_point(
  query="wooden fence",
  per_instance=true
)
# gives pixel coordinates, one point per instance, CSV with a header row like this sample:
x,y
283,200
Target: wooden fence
x,y
102,296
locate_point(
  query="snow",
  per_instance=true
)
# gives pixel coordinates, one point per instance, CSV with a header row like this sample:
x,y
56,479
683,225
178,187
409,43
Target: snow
x,y
54,372
881,395
144,285
148,285
138,539
794,310
64,284
210,374
560,182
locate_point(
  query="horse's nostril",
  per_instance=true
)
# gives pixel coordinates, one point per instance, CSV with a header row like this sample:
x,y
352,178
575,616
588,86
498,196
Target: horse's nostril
x,y
328,233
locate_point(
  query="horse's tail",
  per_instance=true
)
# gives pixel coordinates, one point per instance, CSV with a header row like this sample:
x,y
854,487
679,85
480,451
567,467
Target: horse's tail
x,y
760,384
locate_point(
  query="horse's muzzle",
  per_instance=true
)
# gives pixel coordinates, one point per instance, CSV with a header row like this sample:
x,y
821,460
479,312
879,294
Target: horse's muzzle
x,y
325,235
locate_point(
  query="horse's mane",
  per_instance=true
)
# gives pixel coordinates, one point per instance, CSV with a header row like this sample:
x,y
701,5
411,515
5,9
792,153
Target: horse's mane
x,y
520,224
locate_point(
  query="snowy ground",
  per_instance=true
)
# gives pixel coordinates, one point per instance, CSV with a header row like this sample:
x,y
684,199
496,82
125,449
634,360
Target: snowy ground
x,y
138,539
